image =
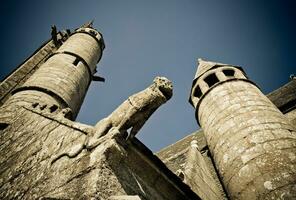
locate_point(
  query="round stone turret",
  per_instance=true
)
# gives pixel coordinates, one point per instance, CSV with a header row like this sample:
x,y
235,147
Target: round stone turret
x,y
64,78
208,75
251,141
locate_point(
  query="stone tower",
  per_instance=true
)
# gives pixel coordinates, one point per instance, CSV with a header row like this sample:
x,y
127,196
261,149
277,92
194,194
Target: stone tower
x,y
63,78
252,143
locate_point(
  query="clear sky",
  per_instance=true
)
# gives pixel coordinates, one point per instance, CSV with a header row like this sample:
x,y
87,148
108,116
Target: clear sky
x,y
148,38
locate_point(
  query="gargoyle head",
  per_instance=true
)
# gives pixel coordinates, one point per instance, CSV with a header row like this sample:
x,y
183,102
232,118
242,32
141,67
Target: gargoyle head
x,y
164,85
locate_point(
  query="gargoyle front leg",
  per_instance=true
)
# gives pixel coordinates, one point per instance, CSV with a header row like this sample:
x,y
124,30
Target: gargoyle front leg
x,y
102,128
135,129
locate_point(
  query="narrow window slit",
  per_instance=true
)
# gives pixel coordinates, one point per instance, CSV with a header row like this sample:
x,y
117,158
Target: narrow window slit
x,y
34,105
42,107
76,61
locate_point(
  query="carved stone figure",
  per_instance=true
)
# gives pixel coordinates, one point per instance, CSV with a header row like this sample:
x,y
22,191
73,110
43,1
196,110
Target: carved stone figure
x,y
132,113
136,110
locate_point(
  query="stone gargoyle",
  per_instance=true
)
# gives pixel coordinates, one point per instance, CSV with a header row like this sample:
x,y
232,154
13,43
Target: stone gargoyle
x,y
131,114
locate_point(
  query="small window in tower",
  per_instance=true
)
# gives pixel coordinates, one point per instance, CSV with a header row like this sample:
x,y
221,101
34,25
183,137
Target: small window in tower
x,y
211,80
76,61
197,92
42,107
53,108
228,72
93,33
34,105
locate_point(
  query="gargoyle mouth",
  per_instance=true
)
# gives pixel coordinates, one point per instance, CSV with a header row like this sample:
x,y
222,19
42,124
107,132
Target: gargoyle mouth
x,y
165,86
166,92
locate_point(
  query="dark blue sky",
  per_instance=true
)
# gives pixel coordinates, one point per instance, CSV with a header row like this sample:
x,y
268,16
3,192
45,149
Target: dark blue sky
x,y
159,37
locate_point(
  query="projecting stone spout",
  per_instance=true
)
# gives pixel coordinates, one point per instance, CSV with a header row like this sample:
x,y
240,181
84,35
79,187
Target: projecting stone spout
x,y
132,113
164,86
135,111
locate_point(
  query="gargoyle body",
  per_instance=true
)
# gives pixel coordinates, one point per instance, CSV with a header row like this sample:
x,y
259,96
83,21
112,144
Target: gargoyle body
x,y
132,113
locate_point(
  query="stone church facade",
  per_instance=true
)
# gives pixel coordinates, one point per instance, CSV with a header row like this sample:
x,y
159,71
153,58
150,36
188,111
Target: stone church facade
x,y
245,148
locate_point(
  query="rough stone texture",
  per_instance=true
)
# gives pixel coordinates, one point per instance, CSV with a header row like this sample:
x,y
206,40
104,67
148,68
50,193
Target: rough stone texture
x,y
27,97
173,151
62,80
90,51
198,176
292,116
60,76
174,156
181,160
125,197
252,142
68,73
285,97
115,167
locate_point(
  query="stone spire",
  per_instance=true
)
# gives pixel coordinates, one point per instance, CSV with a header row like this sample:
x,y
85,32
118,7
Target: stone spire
x,y
204,66
88,24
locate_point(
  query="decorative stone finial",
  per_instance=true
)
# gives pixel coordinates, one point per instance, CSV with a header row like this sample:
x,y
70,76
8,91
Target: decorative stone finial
x,y
88,24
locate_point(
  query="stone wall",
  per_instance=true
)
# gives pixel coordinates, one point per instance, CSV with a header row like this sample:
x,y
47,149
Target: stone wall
x,y
292,116
284,97
195,168
29,168
200,176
